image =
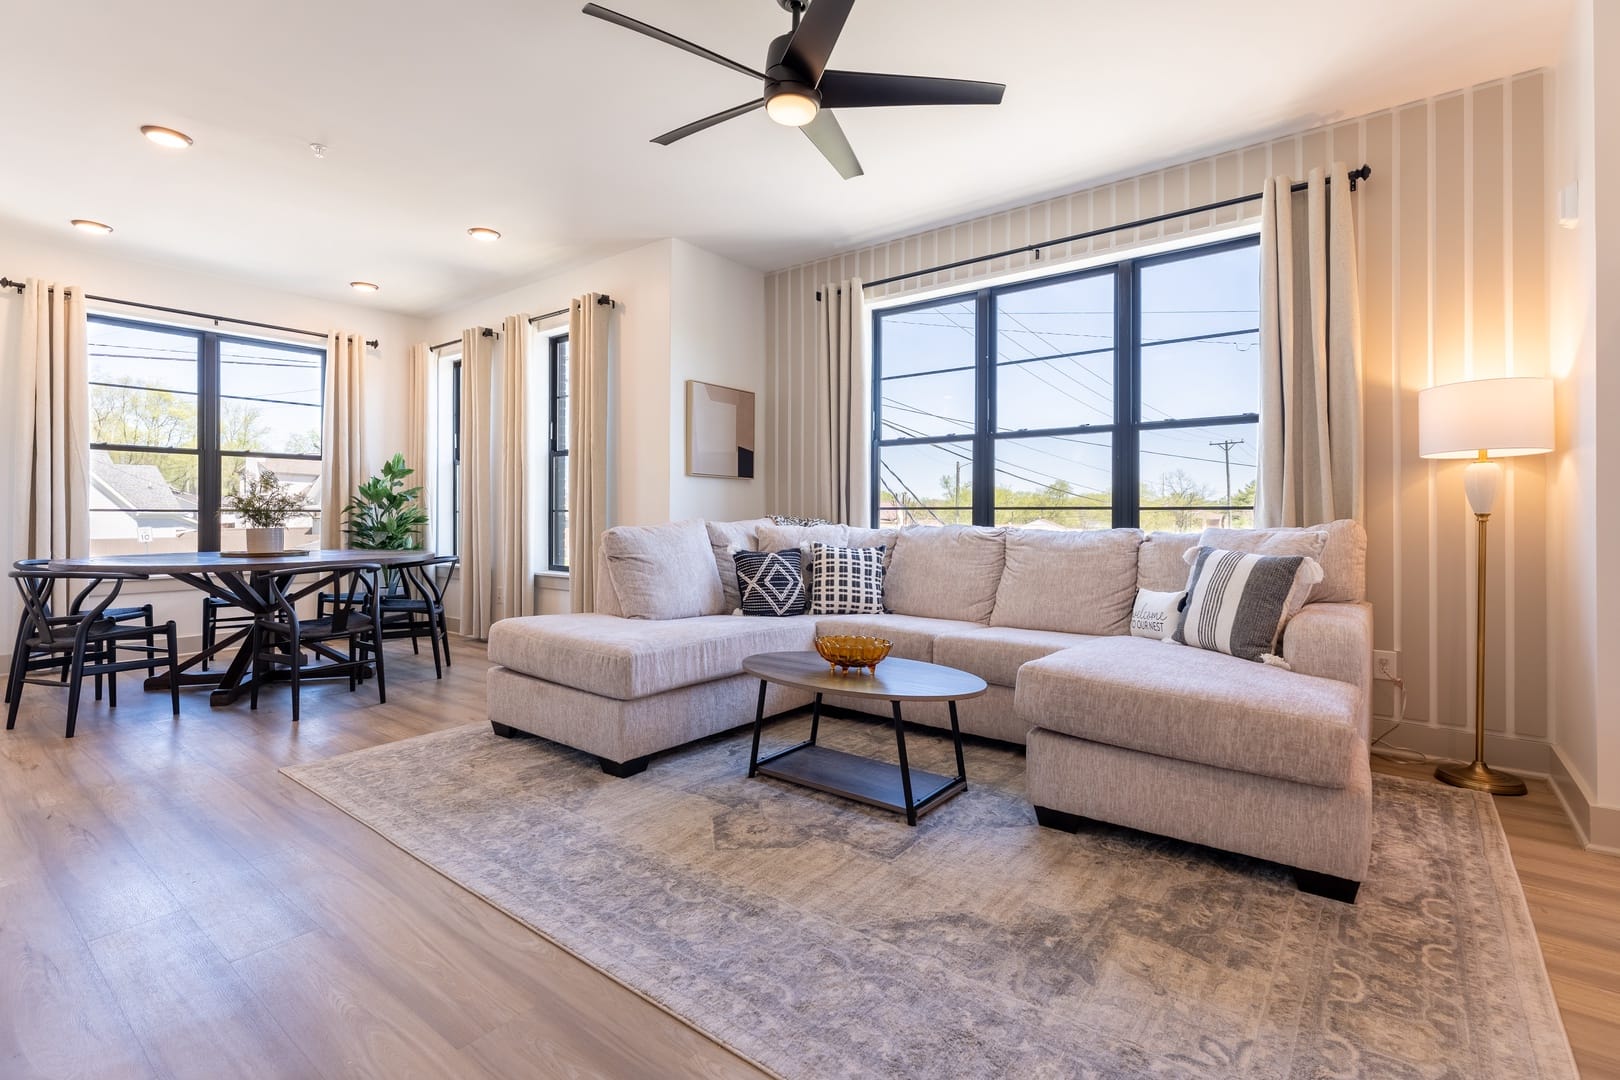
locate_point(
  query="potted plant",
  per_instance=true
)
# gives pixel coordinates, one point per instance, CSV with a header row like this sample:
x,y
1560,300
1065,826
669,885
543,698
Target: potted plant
x,y
263,504
384,514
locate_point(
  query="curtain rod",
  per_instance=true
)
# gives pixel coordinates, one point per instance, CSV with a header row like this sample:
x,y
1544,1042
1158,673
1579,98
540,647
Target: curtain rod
x,y
7,283
1356,175
608,300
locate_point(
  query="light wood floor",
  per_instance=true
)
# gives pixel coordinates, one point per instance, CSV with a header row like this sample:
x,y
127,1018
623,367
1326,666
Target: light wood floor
x,y
171,906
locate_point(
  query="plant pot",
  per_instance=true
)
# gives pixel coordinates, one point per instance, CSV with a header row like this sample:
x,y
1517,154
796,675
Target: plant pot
x,y
265,541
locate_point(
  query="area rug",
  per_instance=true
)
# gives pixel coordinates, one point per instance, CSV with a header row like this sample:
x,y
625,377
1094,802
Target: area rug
x,y
821,938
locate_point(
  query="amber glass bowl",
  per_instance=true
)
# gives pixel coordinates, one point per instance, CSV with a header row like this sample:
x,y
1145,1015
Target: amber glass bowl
x,y
843,652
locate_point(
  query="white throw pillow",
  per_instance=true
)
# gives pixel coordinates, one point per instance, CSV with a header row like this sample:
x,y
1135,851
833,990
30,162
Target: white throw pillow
x,y
1156,615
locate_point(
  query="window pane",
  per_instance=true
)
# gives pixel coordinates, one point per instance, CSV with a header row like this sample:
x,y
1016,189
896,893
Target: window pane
x,y
1206,294
303,476
1184,477
559,540
929,339
1209,377
927,405
142,502
559,511
1041,382
1059,482
143,386
925,485
270,398
559,377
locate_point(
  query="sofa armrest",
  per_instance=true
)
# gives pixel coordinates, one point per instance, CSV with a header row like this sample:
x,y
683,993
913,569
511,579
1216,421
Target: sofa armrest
x,y
1334,641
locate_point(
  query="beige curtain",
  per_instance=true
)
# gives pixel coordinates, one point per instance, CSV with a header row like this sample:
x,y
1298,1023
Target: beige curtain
x,y
420,412
53,375
343,433
514,578
843,417
588,442
1311,467
477,510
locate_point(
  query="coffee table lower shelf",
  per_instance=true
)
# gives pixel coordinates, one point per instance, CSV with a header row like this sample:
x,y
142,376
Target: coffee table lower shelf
x,y
876,783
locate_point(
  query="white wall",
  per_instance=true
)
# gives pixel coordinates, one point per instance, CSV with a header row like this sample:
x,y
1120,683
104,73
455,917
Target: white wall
x,y
94,264
1583,579
717,335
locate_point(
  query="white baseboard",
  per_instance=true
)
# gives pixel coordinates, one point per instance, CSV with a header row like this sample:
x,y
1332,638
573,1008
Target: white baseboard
x,y
1530,757
1596,826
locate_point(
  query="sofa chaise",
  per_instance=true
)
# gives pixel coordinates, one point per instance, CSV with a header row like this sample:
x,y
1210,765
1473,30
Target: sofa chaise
x,y
1268,760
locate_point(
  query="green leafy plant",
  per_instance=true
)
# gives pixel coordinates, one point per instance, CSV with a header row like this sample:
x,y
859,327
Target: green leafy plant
x,y
385,515
264,502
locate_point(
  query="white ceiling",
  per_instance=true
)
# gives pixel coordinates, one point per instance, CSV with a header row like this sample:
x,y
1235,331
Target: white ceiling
x,y
530,117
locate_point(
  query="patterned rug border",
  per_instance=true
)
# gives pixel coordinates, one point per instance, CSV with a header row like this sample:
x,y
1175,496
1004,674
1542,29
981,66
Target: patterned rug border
x,y
292,773
1525,942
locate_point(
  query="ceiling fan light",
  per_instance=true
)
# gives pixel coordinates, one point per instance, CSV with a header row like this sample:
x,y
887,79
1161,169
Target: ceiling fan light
x,y
96,228
480,232
792,108
166,137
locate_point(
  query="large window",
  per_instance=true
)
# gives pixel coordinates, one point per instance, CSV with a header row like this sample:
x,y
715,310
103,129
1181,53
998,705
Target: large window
x,y
1123,396
179,418
557,458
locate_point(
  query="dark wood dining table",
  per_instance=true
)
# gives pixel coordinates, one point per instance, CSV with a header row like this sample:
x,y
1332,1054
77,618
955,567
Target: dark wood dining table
x,y
240,580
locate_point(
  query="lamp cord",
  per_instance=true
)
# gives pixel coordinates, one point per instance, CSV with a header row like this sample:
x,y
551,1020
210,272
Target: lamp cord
x,y
1391,752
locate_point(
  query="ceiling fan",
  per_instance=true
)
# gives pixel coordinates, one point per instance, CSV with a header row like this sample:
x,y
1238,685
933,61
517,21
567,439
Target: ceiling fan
x,y
801,91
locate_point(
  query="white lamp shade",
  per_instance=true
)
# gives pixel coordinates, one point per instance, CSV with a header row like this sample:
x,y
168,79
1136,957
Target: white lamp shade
x,y
1503,417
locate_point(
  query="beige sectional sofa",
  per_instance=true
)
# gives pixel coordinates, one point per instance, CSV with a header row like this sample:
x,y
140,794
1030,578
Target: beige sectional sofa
x,y
1197,745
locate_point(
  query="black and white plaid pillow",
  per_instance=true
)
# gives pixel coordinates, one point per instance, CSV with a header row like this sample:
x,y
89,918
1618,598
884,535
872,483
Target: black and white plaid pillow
x,y
846,581
770,583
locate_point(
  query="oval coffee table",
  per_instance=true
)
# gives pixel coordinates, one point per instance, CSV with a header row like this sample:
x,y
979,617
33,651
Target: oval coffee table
x,y
901,788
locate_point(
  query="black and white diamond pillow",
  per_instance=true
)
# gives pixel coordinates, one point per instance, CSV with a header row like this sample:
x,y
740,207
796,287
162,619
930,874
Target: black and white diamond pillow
x,y
770,583
846,581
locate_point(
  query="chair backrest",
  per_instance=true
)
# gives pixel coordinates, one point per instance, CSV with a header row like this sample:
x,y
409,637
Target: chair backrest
x,y
352,586
422,575
35,583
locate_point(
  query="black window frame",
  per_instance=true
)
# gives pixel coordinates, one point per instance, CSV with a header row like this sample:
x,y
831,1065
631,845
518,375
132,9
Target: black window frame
x,y
455,457
210,456
1127,427
556,451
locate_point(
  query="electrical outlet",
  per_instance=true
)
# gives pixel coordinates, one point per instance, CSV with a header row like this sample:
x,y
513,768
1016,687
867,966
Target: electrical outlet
x,y
1386,664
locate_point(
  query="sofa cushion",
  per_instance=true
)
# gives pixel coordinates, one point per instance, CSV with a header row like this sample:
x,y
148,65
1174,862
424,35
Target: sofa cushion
x,y
628,659
913,635
1079,582
1160,566
1197,706
724,538
995,653
1342,551
789,537
663,571
945,572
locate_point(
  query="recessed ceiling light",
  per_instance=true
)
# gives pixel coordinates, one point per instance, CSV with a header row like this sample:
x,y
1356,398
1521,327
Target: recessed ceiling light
x,y
86,225
478,232
363,286
174,140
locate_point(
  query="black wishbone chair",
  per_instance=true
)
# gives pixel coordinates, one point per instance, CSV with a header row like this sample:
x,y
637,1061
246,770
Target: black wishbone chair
x,y
142,613
421,608
82,642
281,637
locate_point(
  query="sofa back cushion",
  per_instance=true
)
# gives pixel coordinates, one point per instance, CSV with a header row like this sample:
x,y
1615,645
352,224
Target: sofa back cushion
x,y
1339,546
945,572
1161,564
606,597
726,537
664,571
1080,582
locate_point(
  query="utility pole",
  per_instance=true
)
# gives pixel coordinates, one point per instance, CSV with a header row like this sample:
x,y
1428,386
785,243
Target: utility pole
x,y
956,499
1225,446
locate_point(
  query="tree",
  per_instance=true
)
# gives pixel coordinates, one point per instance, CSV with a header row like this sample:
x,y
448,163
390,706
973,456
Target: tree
x,y
1171,502
146,414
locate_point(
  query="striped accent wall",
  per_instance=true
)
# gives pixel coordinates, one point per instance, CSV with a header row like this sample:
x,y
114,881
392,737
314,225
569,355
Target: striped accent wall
x,y
1453,247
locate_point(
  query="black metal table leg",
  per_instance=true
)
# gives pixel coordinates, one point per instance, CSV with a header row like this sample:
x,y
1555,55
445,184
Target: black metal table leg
x,y
905,766
815,719
956,737
759,722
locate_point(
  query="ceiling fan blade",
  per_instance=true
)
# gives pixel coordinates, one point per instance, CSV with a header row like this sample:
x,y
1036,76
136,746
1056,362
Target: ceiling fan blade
x,y
818,31
866,89
707,122
829,139
667,38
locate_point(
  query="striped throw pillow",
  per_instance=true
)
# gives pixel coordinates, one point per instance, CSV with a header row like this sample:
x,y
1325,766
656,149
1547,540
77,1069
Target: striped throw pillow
x,y
1238,604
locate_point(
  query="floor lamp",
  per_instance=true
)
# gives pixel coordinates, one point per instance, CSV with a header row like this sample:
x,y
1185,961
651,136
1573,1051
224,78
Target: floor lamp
x,y
1484,419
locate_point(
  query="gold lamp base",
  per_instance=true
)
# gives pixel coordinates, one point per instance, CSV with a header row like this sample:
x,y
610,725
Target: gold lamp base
x,y
1481,777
